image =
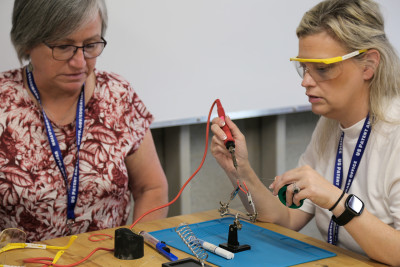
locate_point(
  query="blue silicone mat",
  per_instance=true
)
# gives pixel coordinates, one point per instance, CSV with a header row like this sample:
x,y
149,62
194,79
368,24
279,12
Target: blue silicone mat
x,y
268,248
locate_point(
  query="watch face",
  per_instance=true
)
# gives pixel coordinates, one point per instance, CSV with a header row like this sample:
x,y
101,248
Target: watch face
x,y
355,204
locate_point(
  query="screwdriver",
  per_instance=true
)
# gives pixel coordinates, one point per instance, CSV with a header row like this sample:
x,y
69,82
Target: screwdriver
x,y
229,141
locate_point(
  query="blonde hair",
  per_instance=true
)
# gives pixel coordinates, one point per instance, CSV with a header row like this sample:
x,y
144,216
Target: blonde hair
x,y
357,24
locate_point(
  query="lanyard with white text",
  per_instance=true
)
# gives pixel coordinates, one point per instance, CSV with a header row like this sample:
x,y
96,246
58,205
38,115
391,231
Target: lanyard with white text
x,y
333,230
55,148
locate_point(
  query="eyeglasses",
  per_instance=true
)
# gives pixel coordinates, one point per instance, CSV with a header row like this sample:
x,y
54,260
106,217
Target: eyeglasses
x,y
322,69
11,235
66,52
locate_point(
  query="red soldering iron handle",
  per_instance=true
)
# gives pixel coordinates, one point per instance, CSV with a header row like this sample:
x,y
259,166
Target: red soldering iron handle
x,y
229,141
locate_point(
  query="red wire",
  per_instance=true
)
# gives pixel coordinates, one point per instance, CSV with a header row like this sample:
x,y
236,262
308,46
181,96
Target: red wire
x,y
245,186
240,187
190,178
43,260
106,236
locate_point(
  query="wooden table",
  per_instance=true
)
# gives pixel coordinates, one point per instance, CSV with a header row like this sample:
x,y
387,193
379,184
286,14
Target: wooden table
x,y
82,247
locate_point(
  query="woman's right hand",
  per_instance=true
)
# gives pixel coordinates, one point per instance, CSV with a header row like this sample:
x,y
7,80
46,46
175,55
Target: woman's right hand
x,y
219,150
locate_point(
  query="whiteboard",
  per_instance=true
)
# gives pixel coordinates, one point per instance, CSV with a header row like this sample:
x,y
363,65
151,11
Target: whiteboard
x,y
180,55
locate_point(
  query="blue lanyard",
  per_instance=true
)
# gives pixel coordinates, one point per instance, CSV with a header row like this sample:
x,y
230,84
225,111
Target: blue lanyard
x,y
55,148
333,230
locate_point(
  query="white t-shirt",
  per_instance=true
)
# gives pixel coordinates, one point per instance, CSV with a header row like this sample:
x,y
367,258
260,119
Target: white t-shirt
x,y
377,181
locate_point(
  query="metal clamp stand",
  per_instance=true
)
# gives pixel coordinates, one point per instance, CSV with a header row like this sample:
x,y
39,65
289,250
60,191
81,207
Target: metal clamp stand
x,y
233,243
224,208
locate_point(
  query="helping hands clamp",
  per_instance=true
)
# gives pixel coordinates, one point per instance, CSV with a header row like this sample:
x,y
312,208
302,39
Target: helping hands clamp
x,y
224,209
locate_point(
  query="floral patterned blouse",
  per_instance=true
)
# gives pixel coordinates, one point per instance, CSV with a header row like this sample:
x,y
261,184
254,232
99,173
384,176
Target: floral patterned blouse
x,y
33,193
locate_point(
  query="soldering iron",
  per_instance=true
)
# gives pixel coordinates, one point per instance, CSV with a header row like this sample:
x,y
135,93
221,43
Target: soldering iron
x,y
229,142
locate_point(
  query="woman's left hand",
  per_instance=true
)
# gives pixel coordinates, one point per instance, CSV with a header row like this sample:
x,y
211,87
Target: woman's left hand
x,y
311,184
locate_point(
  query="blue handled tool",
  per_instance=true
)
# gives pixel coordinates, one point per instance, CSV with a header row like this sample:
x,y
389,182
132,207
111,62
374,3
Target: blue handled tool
x,y
160,246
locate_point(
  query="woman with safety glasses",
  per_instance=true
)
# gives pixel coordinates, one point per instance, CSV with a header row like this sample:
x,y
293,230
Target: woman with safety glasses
x,y
349,175
75,142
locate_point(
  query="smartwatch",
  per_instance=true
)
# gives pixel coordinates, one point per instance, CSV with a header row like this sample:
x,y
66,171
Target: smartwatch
x,y
353,207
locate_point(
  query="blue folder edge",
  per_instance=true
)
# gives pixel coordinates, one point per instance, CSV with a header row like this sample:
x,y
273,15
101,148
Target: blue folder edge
x,y
268,248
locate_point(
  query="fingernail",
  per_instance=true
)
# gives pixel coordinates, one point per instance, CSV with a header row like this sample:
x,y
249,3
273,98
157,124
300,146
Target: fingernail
x,y
224,137
271,186
223,124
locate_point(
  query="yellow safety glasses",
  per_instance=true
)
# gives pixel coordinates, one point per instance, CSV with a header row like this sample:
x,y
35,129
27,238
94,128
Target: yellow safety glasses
x,y
322,69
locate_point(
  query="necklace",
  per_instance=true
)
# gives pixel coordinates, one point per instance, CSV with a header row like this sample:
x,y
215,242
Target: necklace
x,y
67,117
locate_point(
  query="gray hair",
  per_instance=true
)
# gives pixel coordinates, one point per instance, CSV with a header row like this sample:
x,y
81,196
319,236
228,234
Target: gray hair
x,y
38,21
357,24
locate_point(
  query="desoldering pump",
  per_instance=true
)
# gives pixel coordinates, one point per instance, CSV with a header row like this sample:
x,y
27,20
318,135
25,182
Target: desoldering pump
x,y
229,142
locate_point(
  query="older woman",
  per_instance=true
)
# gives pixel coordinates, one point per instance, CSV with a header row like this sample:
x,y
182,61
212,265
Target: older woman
x,y
350,172
75,141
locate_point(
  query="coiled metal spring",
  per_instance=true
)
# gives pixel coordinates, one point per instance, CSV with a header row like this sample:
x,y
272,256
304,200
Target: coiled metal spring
x,y
191,241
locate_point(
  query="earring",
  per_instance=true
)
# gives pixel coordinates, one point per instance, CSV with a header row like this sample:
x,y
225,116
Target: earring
x,y
30,67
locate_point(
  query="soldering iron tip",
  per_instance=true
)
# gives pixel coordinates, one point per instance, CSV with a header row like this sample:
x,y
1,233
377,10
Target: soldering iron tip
x,y
232,151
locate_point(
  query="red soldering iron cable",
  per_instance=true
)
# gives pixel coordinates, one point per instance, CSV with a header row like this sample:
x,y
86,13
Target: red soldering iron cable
x,y
190,178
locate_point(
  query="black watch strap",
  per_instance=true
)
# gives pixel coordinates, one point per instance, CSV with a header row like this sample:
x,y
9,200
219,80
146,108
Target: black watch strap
x,y
348,213
344,218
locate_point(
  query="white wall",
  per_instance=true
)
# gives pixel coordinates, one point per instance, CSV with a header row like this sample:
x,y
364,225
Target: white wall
x,y
181,55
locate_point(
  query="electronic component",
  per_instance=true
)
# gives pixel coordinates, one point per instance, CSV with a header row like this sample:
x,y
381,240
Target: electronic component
x,y
224,207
